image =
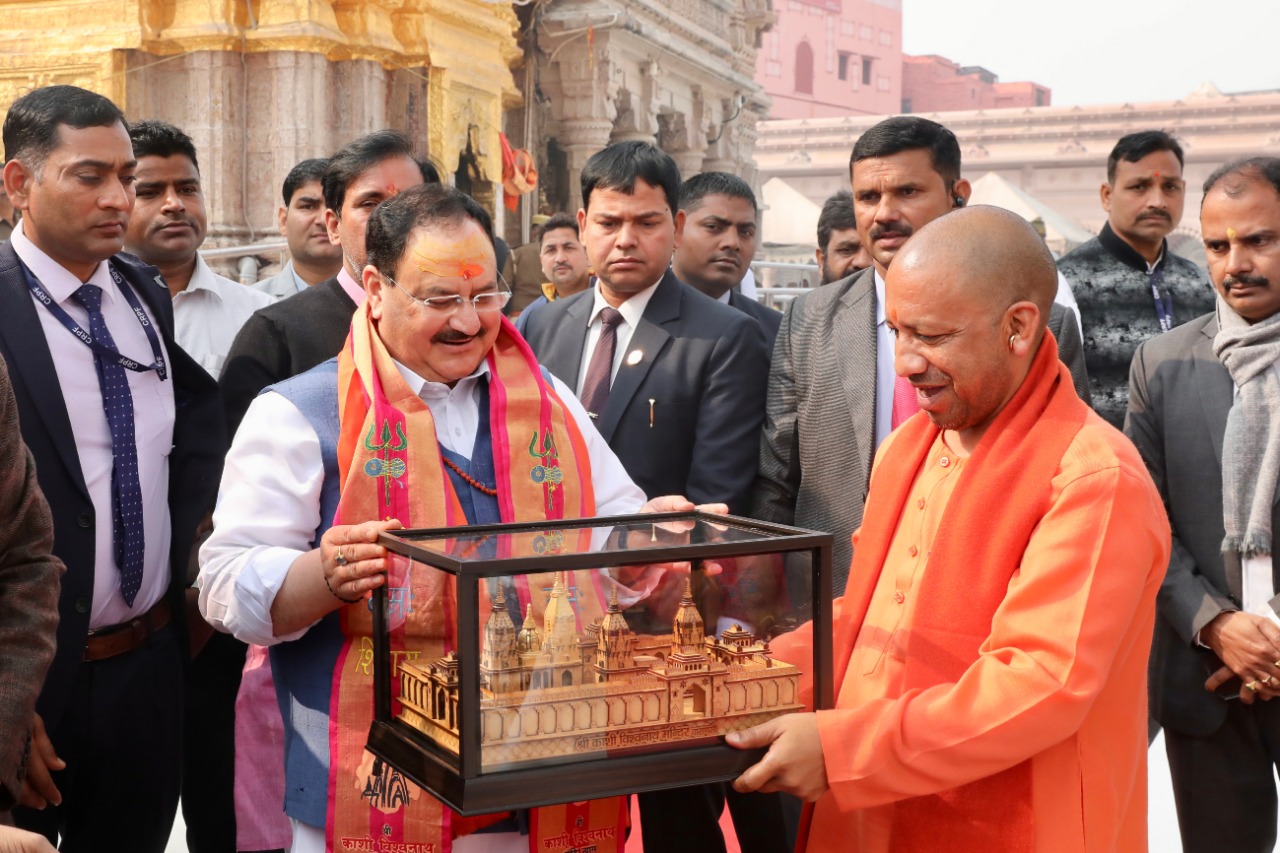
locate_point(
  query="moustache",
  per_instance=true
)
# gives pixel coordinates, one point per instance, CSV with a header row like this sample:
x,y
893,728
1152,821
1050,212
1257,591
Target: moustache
x,y
450,336
1156,214
733,259
172,220
1245,280
901,228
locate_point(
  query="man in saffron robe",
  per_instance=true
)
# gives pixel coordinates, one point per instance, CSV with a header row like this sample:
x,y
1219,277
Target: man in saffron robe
x,y
991,646
435,385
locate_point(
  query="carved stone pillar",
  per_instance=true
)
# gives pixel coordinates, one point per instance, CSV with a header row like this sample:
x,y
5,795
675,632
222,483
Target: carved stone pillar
x,y
291,94
580,140
745,137
634,122
638,111
358,98
674,137
203,93
735,139
689,161
583,95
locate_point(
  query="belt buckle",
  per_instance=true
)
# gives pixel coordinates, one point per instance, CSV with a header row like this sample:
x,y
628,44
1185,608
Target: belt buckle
x,y
138,632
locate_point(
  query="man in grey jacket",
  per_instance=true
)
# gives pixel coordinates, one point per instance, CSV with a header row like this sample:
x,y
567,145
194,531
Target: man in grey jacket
x,y
1204,412
833,395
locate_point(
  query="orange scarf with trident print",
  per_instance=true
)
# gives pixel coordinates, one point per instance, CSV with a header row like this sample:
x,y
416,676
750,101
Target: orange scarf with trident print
x,y
390,467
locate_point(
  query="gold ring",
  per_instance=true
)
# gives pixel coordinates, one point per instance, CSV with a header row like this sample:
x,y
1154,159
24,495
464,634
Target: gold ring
x,y
1276,664
1253,686
340,559
1266,679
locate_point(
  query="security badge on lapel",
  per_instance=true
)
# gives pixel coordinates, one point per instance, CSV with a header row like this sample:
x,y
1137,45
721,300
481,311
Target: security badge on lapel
x,y
633,358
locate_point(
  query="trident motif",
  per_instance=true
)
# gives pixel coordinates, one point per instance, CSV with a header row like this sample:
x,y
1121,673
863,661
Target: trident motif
x,y
385,466
547,474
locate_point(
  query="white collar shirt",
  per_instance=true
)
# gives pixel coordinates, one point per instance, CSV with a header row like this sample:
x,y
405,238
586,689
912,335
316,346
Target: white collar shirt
x,y
885,377
208,314
631,310
268,506
153,413
456,410
1257,581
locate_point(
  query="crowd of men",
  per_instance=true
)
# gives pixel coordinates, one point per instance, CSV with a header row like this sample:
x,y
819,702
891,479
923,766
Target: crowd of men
x,y
1021,497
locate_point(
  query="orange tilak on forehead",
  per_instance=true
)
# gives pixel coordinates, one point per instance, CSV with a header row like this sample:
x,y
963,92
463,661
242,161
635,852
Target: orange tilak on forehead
x,y
1231,233
464,259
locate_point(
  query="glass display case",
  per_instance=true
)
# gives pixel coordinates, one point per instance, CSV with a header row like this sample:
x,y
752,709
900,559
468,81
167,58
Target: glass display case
x,y
519,665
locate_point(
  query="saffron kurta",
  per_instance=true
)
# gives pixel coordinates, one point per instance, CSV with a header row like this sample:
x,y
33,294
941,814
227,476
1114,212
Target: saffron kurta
x,y
1059,682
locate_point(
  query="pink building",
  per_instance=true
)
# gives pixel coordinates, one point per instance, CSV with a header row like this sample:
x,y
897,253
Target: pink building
x,y
833,58
936,84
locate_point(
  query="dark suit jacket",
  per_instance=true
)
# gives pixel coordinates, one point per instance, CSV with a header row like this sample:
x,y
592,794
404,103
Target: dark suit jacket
x,y
282,340
701,373
1179,396
820,422
770,321
29,583
195,463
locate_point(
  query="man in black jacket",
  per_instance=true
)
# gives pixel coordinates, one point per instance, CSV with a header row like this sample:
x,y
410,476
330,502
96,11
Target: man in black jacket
x,y
718,242
128,440
1129,285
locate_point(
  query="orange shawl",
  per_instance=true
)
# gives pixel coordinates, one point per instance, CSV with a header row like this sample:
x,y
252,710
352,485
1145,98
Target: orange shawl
x,y
390,467
965,581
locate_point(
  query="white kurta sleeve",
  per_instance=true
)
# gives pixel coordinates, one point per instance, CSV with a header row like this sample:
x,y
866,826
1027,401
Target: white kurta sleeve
x,y
266,516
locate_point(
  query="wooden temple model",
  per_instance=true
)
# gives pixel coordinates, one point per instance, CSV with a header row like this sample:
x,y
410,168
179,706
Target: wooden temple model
x,y
557,694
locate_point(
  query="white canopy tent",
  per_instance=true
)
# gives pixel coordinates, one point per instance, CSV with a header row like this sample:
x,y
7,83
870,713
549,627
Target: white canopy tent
x,y
1061,234
790,218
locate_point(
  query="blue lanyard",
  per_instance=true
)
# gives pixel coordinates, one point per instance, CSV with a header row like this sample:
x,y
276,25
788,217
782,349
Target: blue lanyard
x,y
38,291
1163,299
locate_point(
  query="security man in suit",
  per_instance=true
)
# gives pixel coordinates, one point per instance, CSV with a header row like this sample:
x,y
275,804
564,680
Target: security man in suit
x,y
675,383
127,434
1204,412
718,243
833,394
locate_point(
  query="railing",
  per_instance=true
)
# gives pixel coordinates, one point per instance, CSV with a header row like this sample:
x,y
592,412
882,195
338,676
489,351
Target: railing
x,y
247,263
779,295
784,265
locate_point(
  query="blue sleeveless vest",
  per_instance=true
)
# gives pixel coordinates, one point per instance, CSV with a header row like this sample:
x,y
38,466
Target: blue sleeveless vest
x,y
303,669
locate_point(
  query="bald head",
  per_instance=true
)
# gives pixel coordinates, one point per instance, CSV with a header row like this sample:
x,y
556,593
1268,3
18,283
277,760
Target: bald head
x,y
967,297
989,253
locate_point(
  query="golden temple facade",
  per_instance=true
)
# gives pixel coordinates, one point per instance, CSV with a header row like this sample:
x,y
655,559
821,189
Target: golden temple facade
x,y
262,84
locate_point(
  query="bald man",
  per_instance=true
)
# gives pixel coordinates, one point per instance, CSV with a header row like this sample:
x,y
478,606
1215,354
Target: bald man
x,y
991,646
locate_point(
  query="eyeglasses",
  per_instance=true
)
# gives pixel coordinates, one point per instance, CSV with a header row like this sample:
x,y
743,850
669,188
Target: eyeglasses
x,y
444,306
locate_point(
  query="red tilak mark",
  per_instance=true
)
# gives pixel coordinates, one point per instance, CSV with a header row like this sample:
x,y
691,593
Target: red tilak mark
x,y
1157,176
465,270
392,189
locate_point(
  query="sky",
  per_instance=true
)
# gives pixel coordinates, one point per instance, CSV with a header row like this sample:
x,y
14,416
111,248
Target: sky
x,y
1105,51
